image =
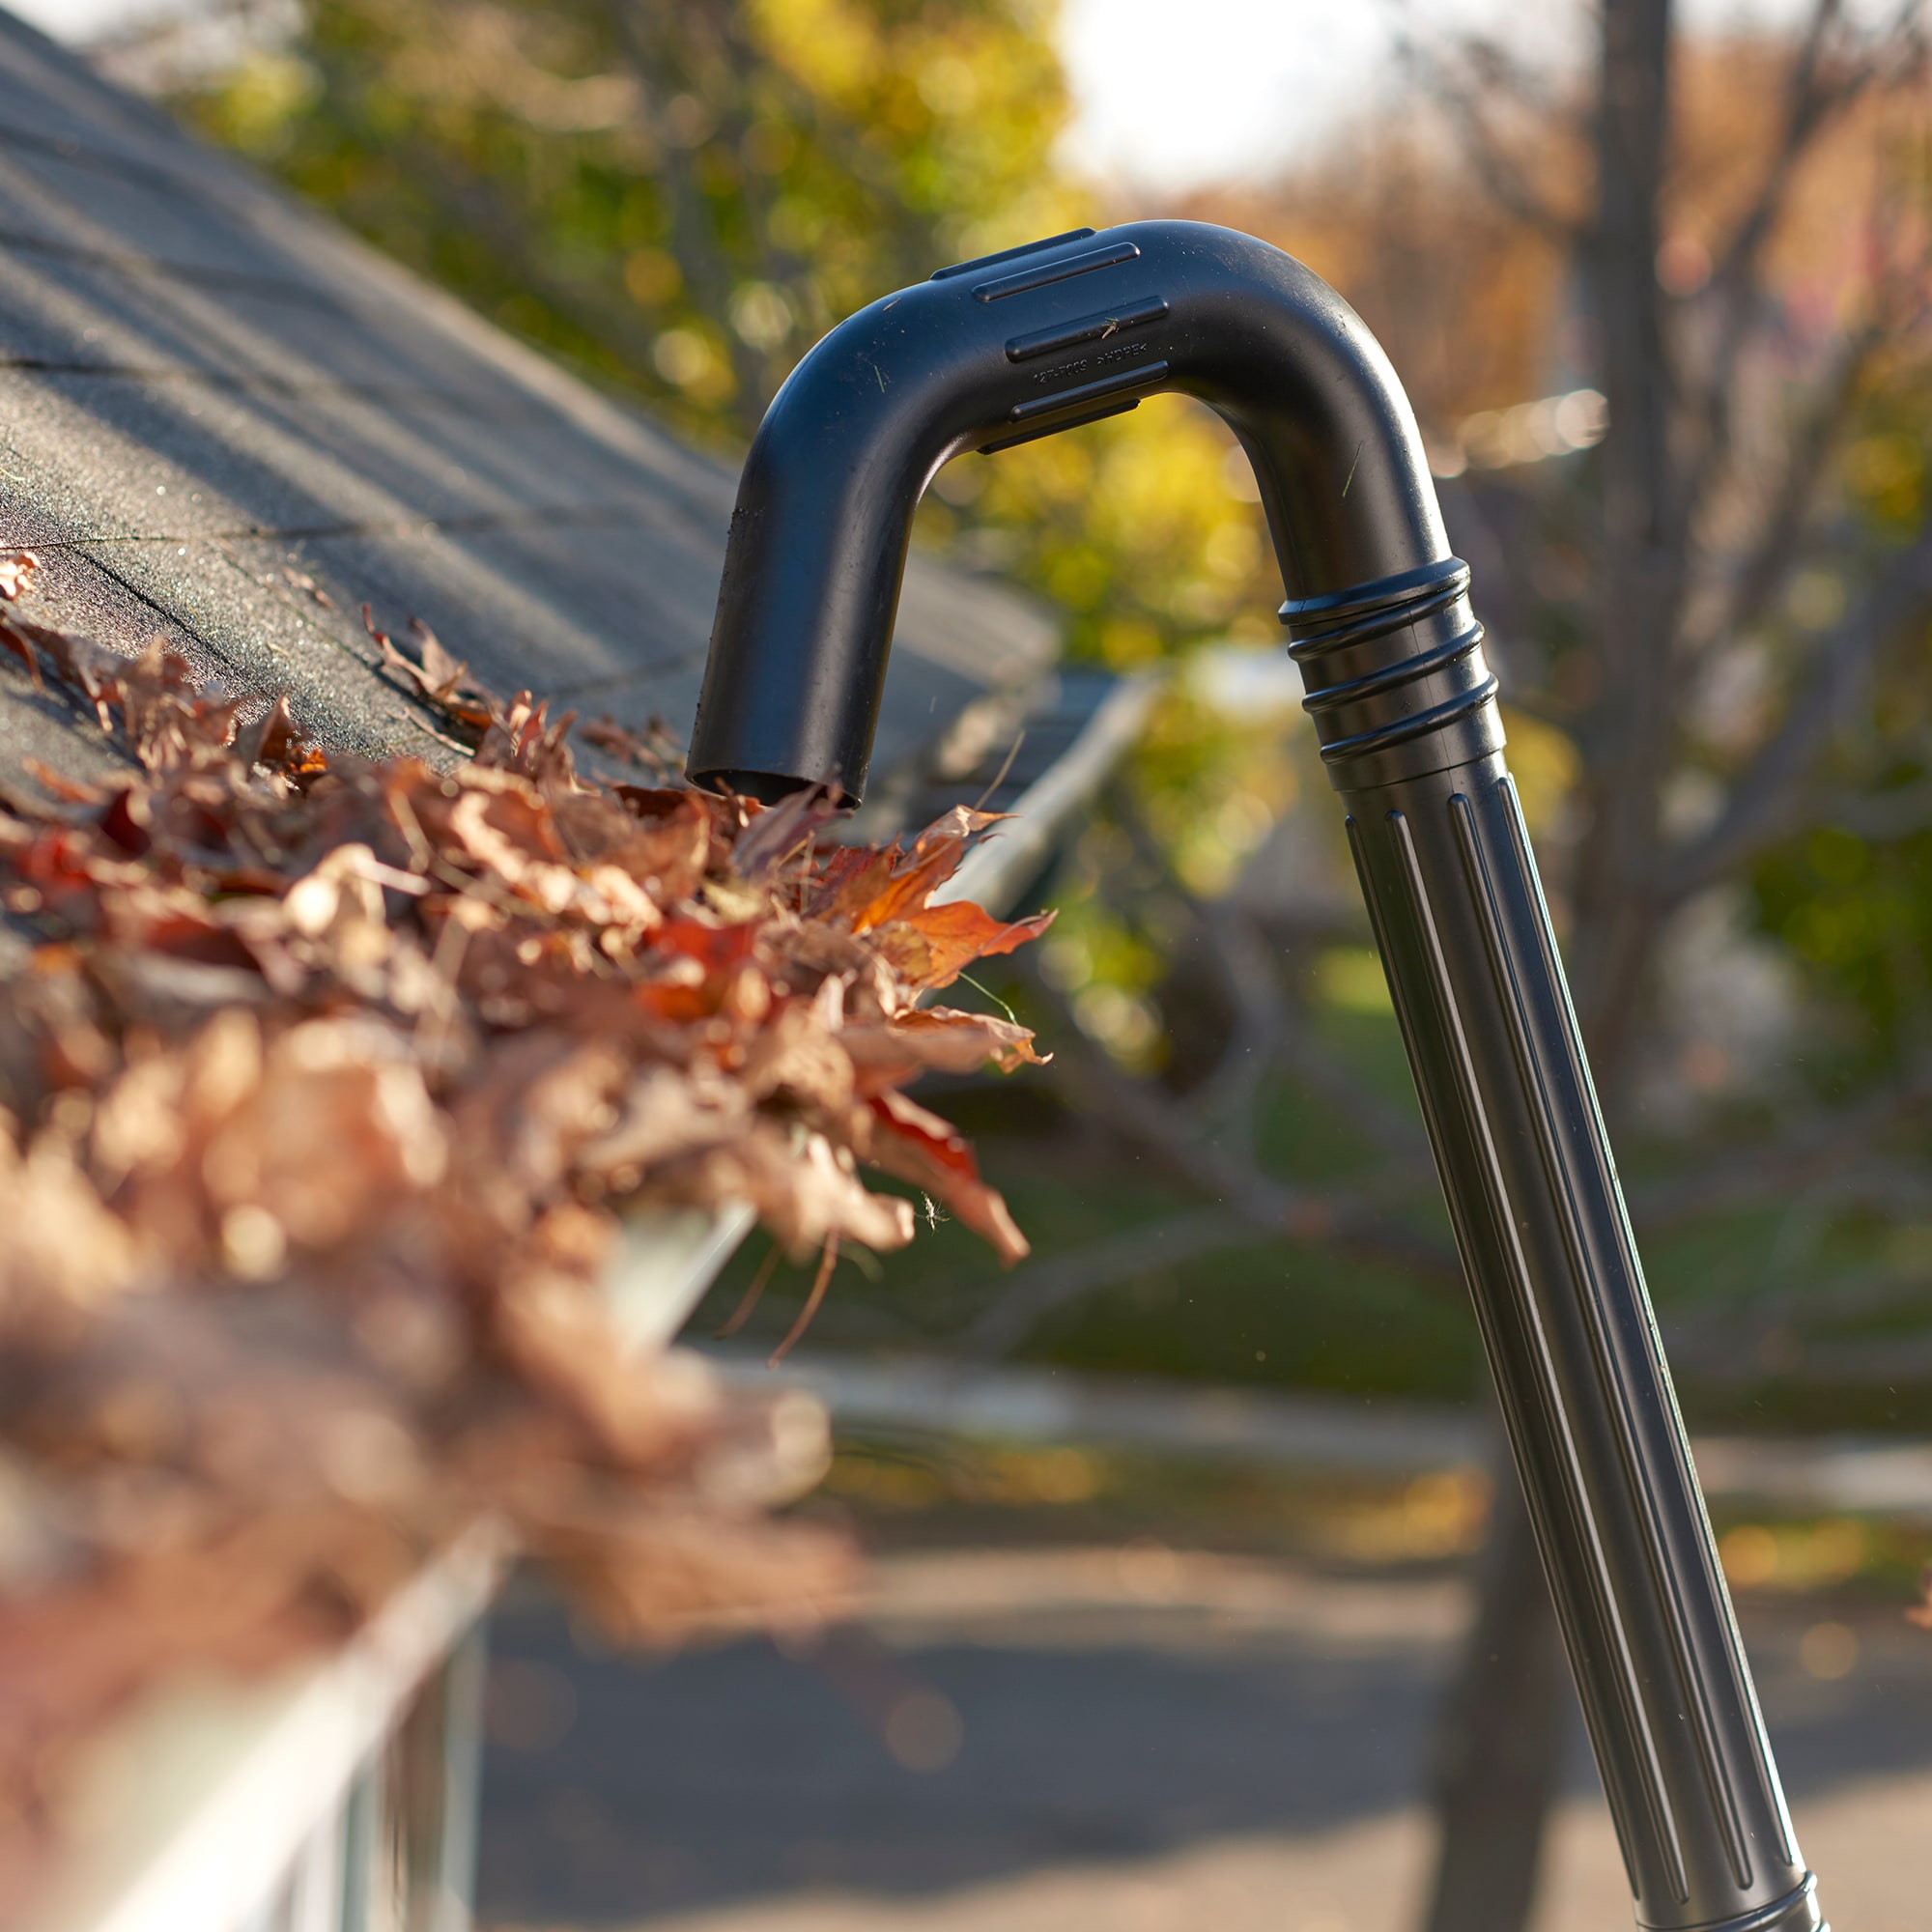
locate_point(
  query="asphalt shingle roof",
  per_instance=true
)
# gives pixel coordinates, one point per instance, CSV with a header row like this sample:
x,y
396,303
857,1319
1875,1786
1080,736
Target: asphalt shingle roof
x,y
210,393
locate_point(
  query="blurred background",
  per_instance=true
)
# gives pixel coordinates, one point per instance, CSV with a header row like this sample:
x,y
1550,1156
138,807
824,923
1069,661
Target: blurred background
x,y
1203,1599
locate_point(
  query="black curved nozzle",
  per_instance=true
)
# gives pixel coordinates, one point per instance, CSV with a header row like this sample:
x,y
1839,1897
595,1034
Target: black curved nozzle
x,y
1378,618
1000,351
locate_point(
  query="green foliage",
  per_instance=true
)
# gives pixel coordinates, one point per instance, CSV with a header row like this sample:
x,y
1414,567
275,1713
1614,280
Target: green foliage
x,y
1856,913
1852,897
680,196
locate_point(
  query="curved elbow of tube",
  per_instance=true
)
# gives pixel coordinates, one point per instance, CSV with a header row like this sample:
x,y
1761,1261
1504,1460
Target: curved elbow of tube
x,y
1062,332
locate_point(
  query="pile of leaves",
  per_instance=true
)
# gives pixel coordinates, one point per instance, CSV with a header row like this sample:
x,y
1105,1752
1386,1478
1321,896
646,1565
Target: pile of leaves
x,y
325,1081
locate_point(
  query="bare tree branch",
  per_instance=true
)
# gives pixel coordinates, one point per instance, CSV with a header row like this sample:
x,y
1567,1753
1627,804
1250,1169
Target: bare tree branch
x,y
1243,962
1818,1146
1270,1028
1885,814
1738,1326
1273,1032
1766,798
1780,547
1358,1221
1502,173
1641,563
1817,95
1749,1355
1044,1286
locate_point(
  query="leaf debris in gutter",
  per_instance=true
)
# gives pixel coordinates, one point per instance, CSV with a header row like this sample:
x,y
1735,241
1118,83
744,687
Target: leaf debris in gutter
x,y
324,1081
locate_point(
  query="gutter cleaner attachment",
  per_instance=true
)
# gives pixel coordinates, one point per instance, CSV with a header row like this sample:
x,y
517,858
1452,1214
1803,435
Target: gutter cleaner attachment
x,y
1064,331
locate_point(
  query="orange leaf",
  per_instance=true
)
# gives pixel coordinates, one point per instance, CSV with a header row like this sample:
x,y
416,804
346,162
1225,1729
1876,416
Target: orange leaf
x,y
934,1039
936,854
851,878
930,948
942,1036
717,948
920,1147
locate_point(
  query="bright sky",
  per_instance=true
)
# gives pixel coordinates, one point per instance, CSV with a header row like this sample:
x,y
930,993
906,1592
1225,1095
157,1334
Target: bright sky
x,y
1244,84
73,19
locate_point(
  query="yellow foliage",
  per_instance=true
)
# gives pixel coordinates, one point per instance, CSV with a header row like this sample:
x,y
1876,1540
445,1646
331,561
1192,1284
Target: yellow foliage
x,y
1546,767
1351,978
1795,1557
835,48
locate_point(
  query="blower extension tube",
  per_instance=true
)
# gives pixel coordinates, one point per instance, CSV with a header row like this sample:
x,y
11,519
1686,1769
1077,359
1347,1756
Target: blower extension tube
x,y
1064,331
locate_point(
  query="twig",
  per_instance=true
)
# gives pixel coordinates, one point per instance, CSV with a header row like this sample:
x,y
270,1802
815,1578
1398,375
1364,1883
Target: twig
x,y
1883,814
1821,1146
1358,1222
1501,173
1813,101
1000,777
1765,798
748,1300
1779,548
827,1262
1269,1021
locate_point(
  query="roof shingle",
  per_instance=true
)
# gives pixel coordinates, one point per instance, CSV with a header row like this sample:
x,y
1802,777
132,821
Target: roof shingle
x,y
209,394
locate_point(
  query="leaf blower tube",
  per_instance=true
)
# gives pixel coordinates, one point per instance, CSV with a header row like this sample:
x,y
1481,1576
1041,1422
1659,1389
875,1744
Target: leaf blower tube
x,y
1064,331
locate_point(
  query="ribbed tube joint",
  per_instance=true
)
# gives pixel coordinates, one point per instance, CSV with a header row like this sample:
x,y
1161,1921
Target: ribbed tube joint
x,y
1395,676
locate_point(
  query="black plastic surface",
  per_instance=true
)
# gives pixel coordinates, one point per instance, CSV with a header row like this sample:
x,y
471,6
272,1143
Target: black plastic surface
x,y
849,444
1405,705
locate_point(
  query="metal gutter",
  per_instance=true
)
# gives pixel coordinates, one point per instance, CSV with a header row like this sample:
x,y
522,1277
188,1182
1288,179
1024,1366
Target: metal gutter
x,y
1009,859
225,1803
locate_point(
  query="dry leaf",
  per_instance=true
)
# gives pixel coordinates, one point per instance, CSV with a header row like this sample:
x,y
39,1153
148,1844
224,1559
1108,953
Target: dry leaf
x,y
16,569
931,947
323,1082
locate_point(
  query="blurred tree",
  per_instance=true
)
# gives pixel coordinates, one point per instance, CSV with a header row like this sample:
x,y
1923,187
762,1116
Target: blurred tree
x,y
1707,690
1722,611
1712,618
1713,622
1690,696
682,195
